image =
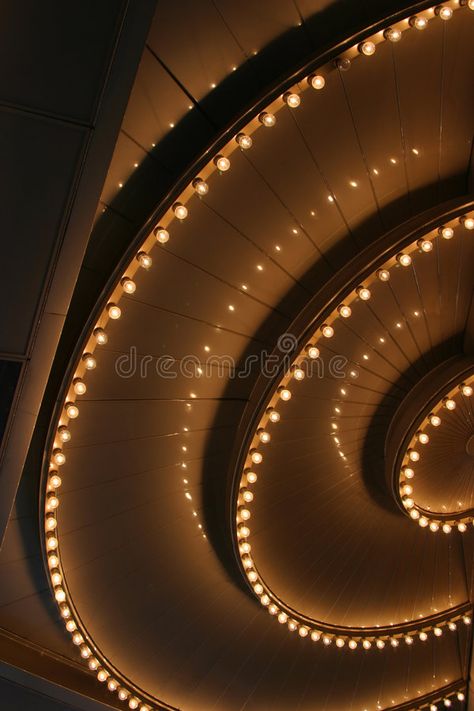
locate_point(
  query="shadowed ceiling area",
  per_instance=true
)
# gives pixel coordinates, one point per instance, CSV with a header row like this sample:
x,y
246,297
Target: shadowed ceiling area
x,y
322,270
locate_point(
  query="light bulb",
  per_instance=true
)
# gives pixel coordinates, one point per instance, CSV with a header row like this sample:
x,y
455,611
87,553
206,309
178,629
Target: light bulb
x,y
50,522
79,386
258,588
316,81
437,631
434,526
447,702
114,312
251,477
200,186
425,245
89,361
100,336
112,685
408,502
366,644
77,639
284,393
303,631
252,576
298,374
180,211
394,642
52,543
446,232
380,644
72,411
247,496
408,472
352,644
392,34
449,403
222,163
327,640
423,437
291,100
404,259
162,235
408,639
343,64
466,619
435,420
256,457
122,694
327,331
433,707
468,222
133,703
344,311
446,528
244,513
263,436
413,455
414,514
70,626
144,260
102,675
312,351
363,293
407,490
265,600
444,12
64,434
244,531
267,119
273,415
282,618
367,48
383,274
460,695
128,285
244,141
340,642
420,23
466,390
462,528
85,652
315,635
53,560
59,458
292,625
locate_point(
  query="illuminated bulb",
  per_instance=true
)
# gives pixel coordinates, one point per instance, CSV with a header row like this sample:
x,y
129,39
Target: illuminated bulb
x,y
420,23
100,336
316,81
460,695
60,595
446,232
303,631
352,644
53,560
284,393
133,703
383,274
466,390
273,415
408,503
414,514
423,636
245,548
252,576
70,626
345,311
343,64
433,707
380,644
272,609
59,458
50,522
263,436
282,618
292,625
394,642
112,685
144,260
315,635
392,34
408,472
446,528
468,222
312,352
444,12
244,141
258,588
244,531
298,374
327,640
437,631
408,639
366,644
423,437
466,619
462,527
363,293
79,386
291,100
267,119
340,642
327,331
404,259
434,526
64,434
85,652
200,186
367,48
122,694
449,404
162,236
247,496
251,477
89,361
244,513
102,675
222,163
72,411
52,544
447,702
256,457
435,420
77,639
425,245
407,490
413,455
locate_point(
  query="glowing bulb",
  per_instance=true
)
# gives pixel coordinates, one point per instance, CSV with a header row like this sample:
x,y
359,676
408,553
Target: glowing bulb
x,y
77,639
407,490
102,675
312,351
414,514
462,528
404,259
413,455
222,163
408,472
468,222
72,411
444,12
265,600
408,503
247,497
79,387
252,576
112,685
340,642
162,235
447,702
258,588
392,34
327,331
180,211
446,232
303,631
64,434
466,619
420,23
449,404
291,100
363,293
437,631
284,393
251,477
380,644
244,141
52,502
267,119
244,531
144,260
408,639
352,644
434,420
53,560
466,390
315,635
122,694
89,361
85,652
383,274
133,703
345,311
394,642
446,528
59,458
434,526
316,81
100,336
423,437
256,457
273,415
367,48
282,618
200,186
292,625
128,285
327,640
70,626
298,374
244,514
366,644
460,695
425,245
114,312
50,522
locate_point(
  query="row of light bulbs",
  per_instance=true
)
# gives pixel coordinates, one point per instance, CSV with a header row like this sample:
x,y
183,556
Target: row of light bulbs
x,y
127,286
413,455
262,436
